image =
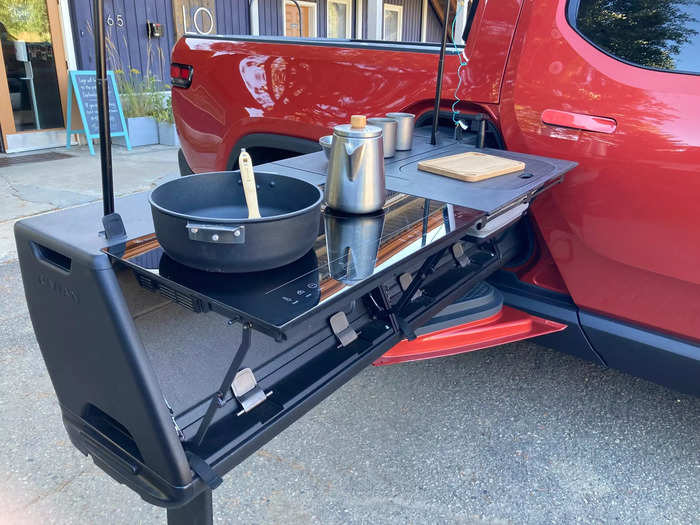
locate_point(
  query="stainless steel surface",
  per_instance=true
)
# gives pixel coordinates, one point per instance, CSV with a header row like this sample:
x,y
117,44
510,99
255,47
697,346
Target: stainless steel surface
x,y
217,233
490,225
388,126
346,130
404,131
355,182
352,243
326,142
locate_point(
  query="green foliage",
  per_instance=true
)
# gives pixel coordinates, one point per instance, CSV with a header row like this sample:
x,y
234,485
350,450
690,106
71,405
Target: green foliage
x,y
27,20
140,93
165,113
646,32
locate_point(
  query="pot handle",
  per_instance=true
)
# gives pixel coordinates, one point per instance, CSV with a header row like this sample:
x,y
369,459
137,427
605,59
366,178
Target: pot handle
x,y
216,233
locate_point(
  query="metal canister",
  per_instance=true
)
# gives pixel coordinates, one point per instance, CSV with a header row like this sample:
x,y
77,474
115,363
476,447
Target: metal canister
x,y
389,126
404,130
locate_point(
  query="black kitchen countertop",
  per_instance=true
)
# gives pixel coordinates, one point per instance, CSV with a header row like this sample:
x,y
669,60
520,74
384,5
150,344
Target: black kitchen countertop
x,y
402,175
349,250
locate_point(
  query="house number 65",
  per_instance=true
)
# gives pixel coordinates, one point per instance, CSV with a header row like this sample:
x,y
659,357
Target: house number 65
x,y
120,21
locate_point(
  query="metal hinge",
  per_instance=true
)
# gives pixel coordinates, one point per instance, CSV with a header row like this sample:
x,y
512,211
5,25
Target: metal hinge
x,y
405,280
342,329
459,255
247,392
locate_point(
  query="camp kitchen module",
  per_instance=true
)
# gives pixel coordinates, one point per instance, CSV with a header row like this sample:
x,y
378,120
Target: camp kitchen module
x,y
168,376
159,414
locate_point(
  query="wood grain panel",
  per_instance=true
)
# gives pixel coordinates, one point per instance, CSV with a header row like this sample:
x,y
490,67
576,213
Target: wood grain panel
x,y
190,7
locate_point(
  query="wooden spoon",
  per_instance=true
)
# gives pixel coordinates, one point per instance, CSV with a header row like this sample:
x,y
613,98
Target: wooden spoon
x,y
249,188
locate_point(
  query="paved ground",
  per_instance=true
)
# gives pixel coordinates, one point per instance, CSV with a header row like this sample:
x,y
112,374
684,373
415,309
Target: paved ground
x,y
516,434
37,187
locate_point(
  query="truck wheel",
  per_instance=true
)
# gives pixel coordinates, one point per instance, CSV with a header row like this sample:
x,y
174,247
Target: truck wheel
x,y
268,147
182,162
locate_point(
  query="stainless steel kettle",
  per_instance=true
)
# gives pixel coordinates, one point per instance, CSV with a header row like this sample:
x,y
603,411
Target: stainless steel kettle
x,y
355,182
352,244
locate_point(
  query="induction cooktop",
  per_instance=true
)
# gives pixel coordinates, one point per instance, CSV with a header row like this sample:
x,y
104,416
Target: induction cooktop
x,y
349,250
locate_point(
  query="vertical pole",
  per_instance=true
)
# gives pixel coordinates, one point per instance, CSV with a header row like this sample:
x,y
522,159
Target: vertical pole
x,y
441,67
103,110
199,511
481,138
254,13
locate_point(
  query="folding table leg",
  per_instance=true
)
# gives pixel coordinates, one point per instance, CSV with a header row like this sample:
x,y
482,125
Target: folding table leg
x,y
199,511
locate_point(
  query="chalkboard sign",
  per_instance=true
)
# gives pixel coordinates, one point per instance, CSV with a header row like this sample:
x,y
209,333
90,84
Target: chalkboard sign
x,y
84,86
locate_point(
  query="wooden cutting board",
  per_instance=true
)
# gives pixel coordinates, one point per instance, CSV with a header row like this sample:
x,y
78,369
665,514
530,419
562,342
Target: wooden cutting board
x,y
471,166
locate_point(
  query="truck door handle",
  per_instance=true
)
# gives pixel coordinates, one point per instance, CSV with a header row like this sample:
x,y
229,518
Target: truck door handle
x,y
567,119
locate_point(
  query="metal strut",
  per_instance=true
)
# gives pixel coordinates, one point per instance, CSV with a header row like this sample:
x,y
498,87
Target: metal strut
x,y
217,400
395,313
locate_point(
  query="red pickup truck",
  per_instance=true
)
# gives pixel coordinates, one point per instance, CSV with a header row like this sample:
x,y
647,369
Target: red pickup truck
x,y
615,86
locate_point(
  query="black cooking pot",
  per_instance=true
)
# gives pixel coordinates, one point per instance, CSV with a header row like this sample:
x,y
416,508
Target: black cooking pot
x,y
202,221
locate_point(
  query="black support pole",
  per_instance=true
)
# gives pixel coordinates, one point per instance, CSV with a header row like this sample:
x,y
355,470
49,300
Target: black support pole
x,y
441,67
199,511
103,109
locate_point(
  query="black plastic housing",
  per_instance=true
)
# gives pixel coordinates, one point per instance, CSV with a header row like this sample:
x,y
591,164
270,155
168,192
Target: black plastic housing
x,y
112,390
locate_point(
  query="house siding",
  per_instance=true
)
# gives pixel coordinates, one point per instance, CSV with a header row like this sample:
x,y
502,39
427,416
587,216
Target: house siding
x,y
270,17
412,11
132,48
364,19
128,45
232,17
433,29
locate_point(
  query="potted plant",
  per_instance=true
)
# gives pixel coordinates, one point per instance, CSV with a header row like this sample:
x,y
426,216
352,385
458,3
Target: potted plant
x,y
167,132
141,100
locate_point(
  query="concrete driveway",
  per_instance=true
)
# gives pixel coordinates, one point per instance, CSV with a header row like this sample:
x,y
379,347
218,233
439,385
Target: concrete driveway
x,y
515,434
73,178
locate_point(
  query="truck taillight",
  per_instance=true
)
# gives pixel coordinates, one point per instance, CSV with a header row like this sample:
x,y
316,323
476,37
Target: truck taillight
x,y
181,75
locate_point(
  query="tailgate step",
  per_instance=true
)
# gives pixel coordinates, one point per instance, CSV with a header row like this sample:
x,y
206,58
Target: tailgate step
x,y
482,301
505,326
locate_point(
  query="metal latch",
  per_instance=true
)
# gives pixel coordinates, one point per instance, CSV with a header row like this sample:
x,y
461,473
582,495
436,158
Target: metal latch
x,y
405,280
342,329
247,392
459,255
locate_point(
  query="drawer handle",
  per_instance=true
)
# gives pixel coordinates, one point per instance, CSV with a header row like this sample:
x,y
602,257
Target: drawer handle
x,y
567,119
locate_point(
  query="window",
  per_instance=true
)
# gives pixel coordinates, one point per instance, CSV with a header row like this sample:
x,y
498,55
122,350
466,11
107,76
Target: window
x,y
661,35
393,22
339,19
306,27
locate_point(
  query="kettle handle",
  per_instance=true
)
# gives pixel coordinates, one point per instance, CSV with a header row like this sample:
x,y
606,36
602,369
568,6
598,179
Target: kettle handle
x,y
354,155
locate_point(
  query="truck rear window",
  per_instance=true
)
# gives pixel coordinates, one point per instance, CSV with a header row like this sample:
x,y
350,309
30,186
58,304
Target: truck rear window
x,y
658,34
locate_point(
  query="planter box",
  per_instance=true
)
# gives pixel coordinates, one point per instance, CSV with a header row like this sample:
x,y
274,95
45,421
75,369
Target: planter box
x,y
168,134
142,132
